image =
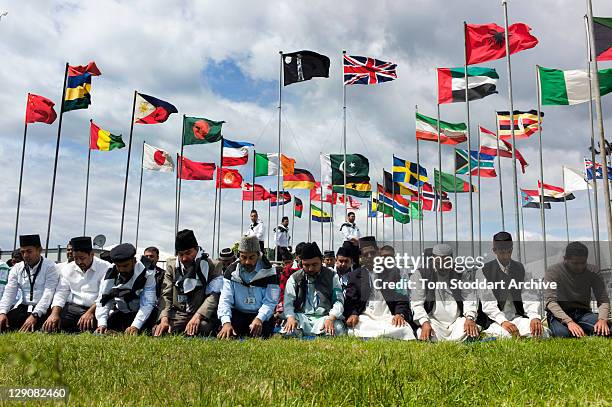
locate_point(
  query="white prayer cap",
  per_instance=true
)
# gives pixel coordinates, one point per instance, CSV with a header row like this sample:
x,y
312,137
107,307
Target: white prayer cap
x,y
442,249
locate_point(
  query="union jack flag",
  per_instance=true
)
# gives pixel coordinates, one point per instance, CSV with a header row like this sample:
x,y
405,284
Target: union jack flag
x,y
432,201
367,71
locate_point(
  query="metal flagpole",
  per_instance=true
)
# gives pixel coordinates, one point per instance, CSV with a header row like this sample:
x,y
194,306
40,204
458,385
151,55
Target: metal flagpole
x,y
411,232
376,212
594,88
344,134
403,249
565,204
23,148
241,215
139,196
268,231
542,215
278,175
393,208
383,218
87,187
57,146
524,257
419,188
217,181
469,143
220,199
511,112
331,227
127,168
479,212
591,218
253,177
456,213
309,217
292,242
440,187
499,169
176,196
180,178
322,210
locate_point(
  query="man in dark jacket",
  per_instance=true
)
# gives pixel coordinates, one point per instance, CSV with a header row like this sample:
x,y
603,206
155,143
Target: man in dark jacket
x,y
376,304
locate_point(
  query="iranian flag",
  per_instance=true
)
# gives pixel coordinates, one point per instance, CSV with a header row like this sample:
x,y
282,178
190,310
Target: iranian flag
x,y
559,87
267,164
450,133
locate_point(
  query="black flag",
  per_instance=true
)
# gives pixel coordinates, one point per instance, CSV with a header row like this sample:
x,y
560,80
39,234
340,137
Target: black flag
x,y
304,65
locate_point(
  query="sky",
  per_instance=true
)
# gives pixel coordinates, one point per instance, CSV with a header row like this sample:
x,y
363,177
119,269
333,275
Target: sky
x,y
221,61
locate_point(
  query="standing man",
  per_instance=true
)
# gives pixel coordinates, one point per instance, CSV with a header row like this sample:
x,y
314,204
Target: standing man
x,y
257,229
314,302
249,295
569,304
508,312
128,288
74,303
282,238
349,229
36,279
444,313
191,289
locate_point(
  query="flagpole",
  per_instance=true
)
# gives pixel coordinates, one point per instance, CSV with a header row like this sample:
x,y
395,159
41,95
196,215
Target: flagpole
x,y
220,199
440,188
331,228
469,143
511,112
291,243
591,219
241,215
57,146
403,249
590,45
278,174
127,168
139,196
23,148
412,232
383,218
217,180
523,232
309,217
269,212
479,212
344,135
176,180
376,212
499,169
87,187
416,109
180,178
393,209
565,204
542,215
322,206
456,212
253,177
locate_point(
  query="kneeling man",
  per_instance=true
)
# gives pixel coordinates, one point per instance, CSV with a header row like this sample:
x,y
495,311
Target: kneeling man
x,y
314,301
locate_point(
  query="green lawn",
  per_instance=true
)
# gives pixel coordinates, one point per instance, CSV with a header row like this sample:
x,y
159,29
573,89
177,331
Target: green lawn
x,y
175,370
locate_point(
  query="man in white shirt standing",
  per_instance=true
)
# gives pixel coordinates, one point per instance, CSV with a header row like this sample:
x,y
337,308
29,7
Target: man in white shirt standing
x,y
282,238
74,303
36,277
257,229
349,229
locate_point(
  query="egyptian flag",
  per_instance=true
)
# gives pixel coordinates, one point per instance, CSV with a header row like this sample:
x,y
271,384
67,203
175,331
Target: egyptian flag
x,y
228,178
40,109
481,82
235,153
487,42
304,65
300,179
193,170
254,192
553,193
156,159
150,110
602,34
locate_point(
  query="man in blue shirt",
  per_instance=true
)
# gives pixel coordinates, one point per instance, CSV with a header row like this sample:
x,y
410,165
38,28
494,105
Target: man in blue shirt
x,y
249,295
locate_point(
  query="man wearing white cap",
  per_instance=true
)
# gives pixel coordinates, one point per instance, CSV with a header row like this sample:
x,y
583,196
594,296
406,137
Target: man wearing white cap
x,y
442,312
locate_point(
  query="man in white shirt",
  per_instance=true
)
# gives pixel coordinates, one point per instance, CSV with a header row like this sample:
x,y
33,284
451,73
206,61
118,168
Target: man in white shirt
x,y
128,289
443,313
36,278
282,238
507,312
257,229
74,303
349,229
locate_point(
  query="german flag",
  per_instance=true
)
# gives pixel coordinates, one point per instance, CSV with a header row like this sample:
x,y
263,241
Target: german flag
x,y
300,179
525,124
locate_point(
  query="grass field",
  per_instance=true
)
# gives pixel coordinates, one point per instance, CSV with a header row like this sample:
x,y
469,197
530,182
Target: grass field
x,y
176,370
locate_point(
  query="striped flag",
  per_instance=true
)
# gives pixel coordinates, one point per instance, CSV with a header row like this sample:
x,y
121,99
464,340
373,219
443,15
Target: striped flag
x,y
488,145
482,82
485,167
525,124
235,153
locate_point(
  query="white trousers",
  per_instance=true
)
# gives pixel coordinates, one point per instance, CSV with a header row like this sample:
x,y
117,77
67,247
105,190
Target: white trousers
x,y
454,332
523,325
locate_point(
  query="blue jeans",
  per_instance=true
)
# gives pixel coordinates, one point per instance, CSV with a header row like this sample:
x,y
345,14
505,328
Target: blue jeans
x,y
584,318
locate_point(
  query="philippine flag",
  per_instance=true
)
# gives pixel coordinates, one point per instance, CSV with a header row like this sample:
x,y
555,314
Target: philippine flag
x,y
150,110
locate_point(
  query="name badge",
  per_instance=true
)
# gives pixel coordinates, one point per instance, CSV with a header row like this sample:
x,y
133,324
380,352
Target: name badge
x,y
249,300
30,309
181,298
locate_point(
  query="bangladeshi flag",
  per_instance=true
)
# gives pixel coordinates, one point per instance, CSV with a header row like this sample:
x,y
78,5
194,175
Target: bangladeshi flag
x,y
198,130
228,178
487,42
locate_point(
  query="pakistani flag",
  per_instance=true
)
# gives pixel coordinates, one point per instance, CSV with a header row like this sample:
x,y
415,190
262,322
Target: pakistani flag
x,y
357,168
198,130
451,183
481,82
559,87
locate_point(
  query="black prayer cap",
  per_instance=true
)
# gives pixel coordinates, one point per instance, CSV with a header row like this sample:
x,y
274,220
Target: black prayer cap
x,y
29,240
502,240
328,253
185,240
367,241
311,251
81,244
344,252
124,251
576,249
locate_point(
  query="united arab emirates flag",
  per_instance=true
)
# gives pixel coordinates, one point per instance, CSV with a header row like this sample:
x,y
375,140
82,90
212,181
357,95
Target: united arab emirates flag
x,y
559,87
304,65
197,130
451,84
451,183
603,38
450,133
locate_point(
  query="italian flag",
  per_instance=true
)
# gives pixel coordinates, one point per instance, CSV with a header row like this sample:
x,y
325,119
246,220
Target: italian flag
x,y
559,87
267,164
450,133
